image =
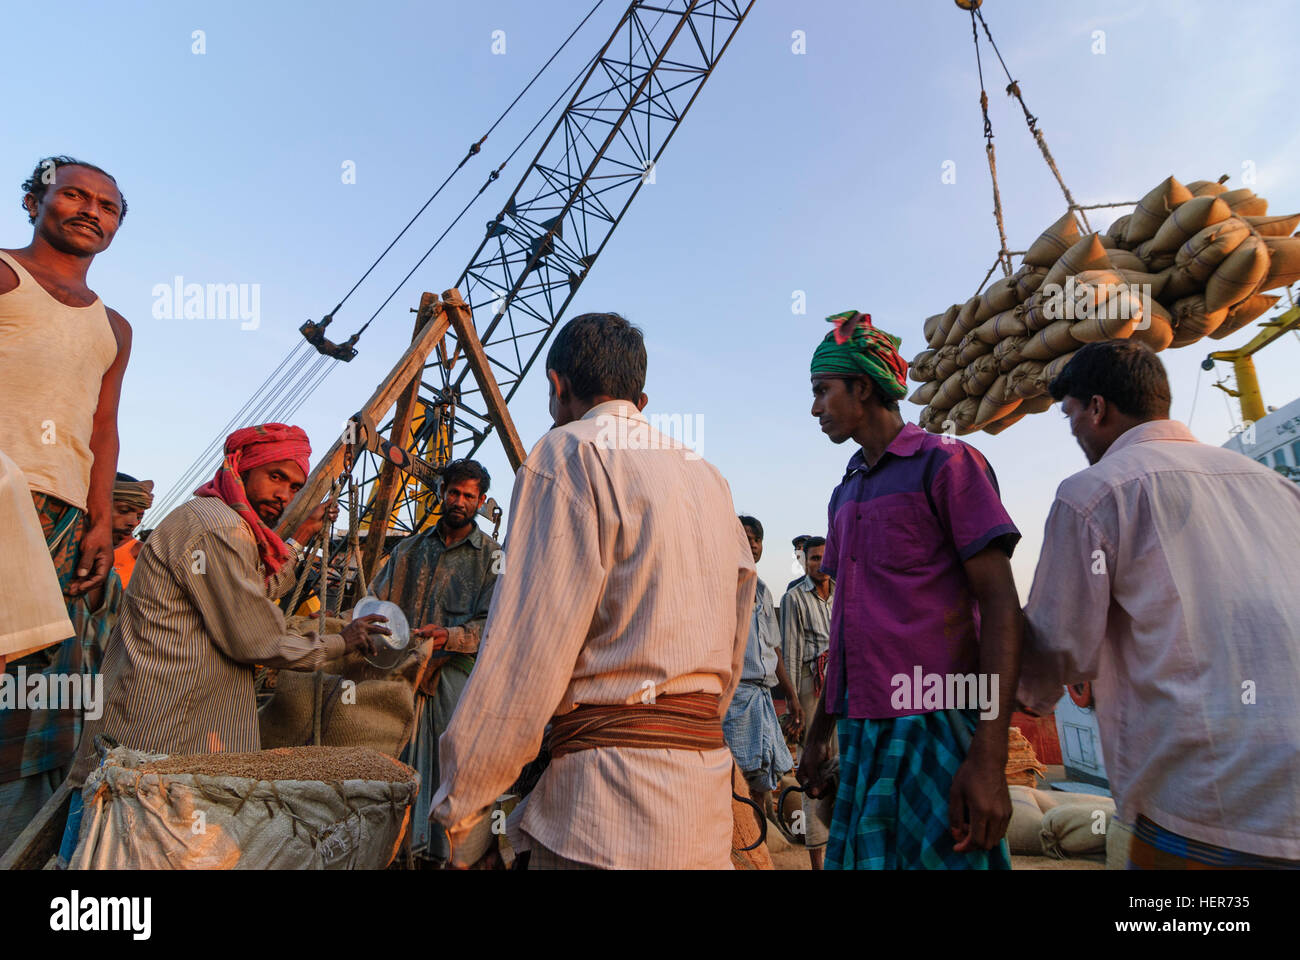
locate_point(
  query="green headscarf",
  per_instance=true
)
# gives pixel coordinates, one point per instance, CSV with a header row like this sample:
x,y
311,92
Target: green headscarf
x,y
856,348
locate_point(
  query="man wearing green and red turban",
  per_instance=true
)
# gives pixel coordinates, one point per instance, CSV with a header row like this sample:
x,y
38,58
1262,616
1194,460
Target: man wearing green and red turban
x,y
919,545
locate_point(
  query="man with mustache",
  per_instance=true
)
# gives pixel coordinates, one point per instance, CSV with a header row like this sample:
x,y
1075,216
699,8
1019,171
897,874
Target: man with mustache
x,y
443,578
62,357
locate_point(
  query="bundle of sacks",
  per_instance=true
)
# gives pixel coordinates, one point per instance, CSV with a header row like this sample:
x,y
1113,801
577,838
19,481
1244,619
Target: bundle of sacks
x,y
1190,261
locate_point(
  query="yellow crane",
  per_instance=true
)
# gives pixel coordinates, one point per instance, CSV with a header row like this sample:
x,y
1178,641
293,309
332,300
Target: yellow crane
x,y
1243,365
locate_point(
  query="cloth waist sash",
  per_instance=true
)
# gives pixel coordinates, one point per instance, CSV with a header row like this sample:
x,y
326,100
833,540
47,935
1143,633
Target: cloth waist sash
x,y
684,721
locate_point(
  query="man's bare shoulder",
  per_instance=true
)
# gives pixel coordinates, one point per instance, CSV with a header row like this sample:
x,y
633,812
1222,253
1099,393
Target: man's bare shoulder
x,y
121,329
8,278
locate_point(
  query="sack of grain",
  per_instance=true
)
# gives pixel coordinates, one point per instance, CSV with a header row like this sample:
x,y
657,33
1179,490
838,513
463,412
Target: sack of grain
x,y
963,413
997,296
1238,276
1192,320
1039,401
970,348
1077,829
925,392
1052,369
979,376
1028,279
1023,380
1113,320
950,391
309,808
1026,823
1051,341
1280,226
1245,203
1156,329
945,362
997,426
1158,262
1206,188
1184,223
999,390
1053,242
930,325
1151,285
1008,352
1245,313
931,417
1153,209
1034,311
1206,249
1008,323
1284,262
1126,260
921,369
1086,254
991,410
939,336
964,322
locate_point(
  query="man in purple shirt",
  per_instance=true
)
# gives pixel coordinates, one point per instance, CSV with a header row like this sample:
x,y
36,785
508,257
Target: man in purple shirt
x,y
925,627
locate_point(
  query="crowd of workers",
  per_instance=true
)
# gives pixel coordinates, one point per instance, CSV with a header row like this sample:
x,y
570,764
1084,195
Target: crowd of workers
x,y
623,632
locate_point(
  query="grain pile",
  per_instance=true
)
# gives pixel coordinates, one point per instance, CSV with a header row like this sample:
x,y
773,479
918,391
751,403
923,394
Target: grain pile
x,y
289,763
1190,261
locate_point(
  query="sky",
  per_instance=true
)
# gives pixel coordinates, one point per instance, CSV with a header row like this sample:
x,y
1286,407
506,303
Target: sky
x,y
813,174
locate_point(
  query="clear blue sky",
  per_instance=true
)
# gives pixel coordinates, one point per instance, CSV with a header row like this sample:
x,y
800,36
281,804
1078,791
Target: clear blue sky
x,y
817,172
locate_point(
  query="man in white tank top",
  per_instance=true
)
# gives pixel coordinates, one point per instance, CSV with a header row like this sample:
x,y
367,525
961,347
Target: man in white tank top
x,y
62,357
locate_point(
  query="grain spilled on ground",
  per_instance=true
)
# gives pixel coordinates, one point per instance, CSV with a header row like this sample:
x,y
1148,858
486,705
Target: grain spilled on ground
x,y
289,763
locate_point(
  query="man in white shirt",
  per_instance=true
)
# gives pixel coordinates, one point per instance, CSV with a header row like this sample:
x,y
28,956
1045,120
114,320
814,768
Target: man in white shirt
x,y
1165,578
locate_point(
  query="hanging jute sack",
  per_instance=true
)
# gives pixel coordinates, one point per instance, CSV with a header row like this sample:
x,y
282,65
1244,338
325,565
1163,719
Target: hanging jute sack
x,y
997,426
1114,317
931,418
940,334
1053,242
1116,230
1038,403
311,808
931,325
925,392
1086,254
964,322
1280,226
1184,223
997,296
1244,313
1245,203
1024,379
1206,249
1206,188
1151,285
1034,310
921,369
979,376
1052,369
991,410
1238,276
999,390
1156,329
950,391
1153,209
1284,262
963,413
970,348
1008,352
1192,320
1051,341
1126,260
945,362
1028,279
1008,323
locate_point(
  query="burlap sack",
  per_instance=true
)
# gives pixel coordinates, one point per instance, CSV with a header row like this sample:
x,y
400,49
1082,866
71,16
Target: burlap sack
x,y
136,820
1245,313
931,325
1039,401
964,322
1077,829
1159,262
931,418
1053,242
1052,369
1008,323
1034,310
1116,230
1113,322
1245,203
1026,823
1153,209
1206,188
991,410
1028,279
950,391
925,392
1086,254
1024,379
1051,341
971,348
921,369
1126,260
997,426
1152,284
1184,223
1157,329
1207,248
963,413
1192,320
1279,226
1008,352
1238,276
1284,262
997,296
979,376
946,320
1000,391
945,362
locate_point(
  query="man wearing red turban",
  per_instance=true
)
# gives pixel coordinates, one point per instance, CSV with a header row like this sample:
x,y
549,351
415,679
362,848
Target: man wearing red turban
x,y
200,612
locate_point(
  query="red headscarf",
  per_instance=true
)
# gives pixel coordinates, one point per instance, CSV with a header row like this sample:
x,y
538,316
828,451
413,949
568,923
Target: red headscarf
x,y
254,447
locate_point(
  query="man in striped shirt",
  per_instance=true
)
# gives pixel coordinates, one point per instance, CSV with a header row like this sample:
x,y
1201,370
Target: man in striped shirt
x,y
620,616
